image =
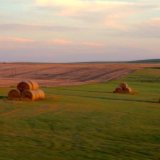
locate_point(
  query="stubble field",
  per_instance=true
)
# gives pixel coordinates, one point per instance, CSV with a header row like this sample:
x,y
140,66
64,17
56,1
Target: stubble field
x,y
65,74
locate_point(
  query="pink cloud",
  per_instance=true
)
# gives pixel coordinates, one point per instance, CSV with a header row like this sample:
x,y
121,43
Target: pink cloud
x,y
93,44
16,39
15,42
60,42
154,22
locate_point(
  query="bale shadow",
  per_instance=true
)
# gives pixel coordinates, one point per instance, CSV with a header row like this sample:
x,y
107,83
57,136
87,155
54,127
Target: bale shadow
x,y
3,97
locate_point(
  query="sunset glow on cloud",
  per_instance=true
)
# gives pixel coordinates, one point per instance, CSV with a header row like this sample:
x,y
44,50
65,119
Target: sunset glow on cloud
x,y
79,30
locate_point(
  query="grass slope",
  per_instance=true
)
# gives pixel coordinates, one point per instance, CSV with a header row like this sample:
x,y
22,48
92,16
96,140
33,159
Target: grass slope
x,y
147,61
85,122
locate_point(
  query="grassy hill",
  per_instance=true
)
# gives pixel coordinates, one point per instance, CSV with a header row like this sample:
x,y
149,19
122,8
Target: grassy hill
x,y
147,61
85,122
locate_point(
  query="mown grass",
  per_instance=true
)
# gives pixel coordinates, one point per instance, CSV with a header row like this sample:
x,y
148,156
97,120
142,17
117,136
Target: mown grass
x,y
85,122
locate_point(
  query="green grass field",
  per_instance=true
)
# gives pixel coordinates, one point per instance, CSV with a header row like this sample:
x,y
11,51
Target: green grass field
x,y
85,122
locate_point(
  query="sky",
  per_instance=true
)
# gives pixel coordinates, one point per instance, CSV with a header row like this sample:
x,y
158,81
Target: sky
x,y
79,30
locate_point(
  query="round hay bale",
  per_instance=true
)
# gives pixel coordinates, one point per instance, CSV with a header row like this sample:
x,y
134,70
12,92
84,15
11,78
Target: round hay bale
x,y
14,94
128,90
33,94
30,94
27,85
118,90
35,85
41,94
124,85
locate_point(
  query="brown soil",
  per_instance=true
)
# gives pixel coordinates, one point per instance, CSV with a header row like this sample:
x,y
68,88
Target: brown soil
x,y
64,74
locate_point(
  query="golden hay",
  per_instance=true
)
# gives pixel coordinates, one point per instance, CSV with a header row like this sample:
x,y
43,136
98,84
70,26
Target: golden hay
x,y
118,90
124,85
27,85
123,88
128,90
14,94
33,94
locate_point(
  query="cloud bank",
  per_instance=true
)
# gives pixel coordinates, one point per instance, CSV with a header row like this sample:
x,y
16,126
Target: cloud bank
x,y
84,29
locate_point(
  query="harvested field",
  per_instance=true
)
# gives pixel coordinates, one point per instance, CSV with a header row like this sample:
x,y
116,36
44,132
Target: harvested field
x,y
64,74
85,122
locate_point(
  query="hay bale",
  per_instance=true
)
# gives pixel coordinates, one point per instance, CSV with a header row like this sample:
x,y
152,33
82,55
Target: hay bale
x,y
41,94
14,94
123,88
124,85
27,85
118,90
33,94
128,90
